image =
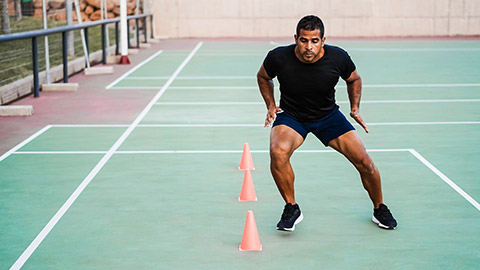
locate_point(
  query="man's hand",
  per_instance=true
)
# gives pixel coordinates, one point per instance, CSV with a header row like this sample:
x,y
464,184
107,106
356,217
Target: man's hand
x,y
272,115
356,116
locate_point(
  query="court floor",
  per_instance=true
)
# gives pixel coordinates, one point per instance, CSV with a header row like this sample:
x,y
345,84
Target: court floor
x,y
161,192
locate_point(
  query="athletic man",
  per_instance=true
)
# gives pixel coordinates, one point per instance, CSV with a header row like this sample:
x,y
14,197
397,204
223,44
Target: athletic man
x,y
308,72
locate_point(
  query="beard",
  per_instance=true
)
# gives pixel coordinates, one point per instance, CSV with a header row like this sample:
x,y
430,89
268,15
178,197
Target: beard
x,y
309,56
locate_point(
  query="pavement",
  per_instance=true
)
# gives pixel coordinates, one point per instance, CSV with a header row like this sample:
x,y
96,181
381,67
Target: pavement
x,y
90,104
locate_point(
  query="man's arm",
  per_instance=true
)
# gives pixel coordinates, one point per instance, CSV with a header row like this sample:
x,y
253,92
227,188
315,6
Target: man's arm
x,y
265,83
354,88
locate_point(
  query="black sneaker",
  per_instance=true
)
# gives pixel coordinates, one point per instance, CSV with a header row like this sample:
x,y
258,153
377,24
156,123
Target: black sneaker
x,y
383,218
290,217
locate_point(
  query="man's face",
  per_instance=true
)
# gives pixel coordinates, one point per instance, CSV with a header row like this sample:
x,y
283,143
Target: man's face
x,y
309,45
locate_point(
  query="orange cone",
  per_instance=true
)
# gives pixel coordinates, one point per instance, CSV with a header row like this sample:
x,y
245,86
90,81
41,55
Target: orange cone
x,y
248,190
246,163
250,239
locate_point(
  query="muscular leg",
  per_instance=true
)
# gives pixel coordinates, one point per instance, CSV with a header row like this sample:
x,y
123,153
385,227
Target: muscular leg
x,y
351,146
283,142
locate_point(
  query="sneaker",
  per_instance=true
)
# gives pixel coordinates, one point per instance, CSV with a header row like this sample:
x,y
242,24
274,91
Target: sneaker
x,y
290,217
383,218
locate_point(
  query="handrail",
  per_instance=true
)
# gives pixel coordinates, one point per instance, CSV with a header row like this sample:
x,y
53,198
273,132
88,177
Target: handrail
x,y
64,30
44,32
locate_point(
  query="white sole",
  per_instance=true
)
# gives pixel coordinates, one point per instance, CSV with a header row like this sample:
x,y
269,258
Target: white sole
x,y
299,219
381,225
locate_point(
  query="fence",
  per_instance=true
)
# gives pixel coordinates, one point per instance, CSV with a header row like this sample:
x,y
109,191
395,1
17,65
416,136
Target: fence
x,y
33,35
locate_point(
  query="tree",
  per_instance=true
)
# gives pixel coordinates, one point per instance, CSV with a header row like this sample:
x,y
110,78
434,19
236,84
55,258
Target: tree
x,y
5,17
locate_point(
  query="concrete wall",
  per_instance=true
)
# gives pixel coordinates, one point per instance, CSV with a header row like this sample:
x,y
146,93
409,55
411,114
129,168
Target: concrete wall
x,y
342,18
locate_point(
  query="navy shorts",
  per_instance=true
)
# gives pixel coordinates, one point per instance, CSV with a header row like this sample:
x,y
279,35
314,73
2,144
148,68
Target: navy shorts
x,y
330,127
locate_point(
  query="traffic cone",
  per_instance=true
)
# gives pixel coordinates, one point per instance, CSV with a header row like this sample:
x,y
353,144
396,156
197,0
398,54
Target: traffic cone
x,y
248,190
246,163
250,239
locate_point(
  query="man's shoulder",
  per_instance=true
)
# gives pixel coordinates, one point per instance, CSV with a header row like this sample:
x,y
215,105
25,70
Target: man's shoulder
x,y
334,49
282,50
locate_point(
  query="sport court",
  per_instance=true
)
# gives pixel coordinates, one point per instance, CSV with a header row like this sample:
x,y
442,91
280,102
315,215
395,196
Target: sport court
x,y
161,192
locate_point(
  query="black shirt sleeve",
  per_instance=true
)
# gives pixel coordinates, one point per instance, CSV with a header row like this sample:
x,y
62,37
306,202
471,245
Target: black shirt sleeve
x,y
272,63
347,66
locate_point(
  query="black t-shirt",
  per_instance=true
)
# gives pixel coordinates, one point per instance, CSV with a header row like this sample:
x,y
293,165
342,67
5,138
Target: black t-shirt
x,y
308,90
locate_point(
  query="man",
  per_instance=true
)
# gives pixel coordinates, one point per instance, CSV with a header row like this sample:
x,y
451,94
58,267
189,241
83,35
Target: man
x,y
308,72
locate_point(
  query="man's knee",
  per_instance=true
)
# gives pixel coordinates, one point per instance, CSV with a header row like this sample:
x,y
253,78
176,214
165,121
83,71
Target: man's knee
x,y
366,166
280,150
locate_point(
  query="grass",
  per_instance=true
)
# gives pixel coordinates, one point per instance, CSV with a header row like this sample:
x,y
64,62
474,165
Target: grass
x,y
16,56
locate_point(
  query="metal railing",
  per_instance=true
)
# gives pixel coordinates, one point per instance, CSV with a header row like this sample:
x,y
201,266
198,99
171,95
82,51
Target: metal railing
x,y
65,29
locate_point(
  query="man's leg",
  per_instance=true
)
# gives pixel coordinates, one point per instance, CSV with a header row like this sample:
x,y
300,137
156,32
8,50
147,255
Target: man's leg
x,y
351,146
283,142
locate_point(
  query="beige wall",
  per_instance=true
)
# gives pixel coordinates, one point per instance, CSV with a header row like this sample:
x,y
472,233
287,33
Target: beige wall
x,y
342,18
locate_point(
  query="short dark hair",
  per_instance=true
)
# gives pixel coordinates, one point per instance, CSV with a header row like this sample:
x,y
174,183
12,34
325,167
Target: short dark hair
x,y
310,23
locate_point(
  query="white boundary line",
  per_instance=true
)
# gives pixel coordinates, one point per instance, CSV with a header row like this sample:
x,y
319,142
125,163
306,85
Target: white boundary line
x,y
257,125
413,85
371,49
409,85
58,152
138,87
445,179
338,102
413,101
198,125
88,125
133,69
422,123
20,145
411,49
411,151
180,78
213,87
133,152
240,151
210,103
46,230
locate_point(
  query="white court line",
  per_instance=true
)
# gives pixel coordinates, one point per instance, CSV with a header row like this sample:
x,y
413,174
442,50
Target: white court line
x,y
88,126
412,49
179,78
412,151
275,43
20,145
138,87
187,152
210,103
407,85
46,230
133,69
216,87
413,101
213,87
58,152
410,85
261,125
423,123
240,151
445,179
198,125
338,102
233,54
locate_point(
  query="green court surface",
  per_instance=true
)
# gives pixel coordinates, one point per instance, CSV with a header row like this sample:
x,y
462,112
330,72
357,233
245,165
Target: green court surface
x,y
161,192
